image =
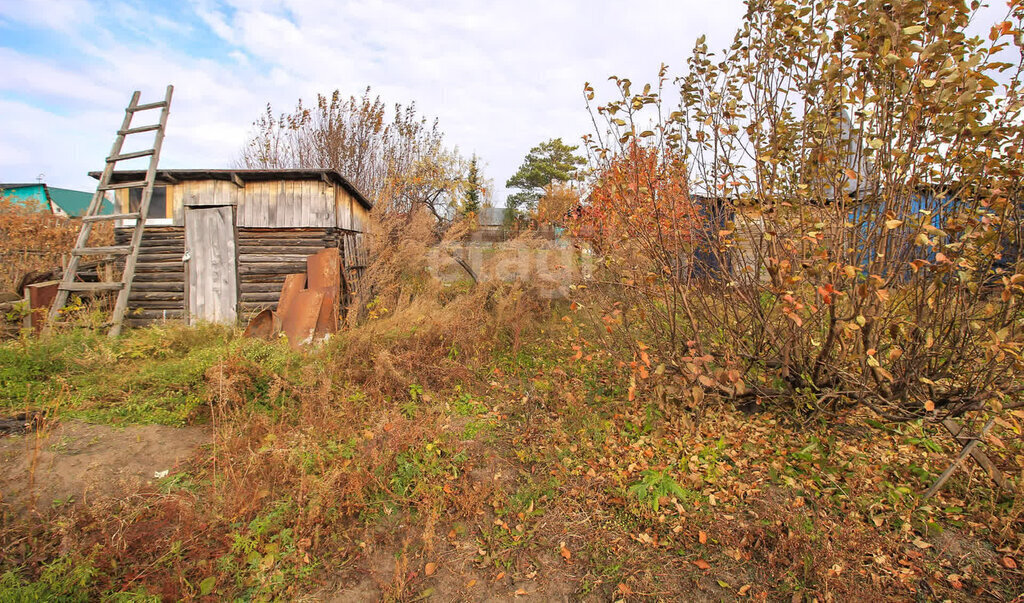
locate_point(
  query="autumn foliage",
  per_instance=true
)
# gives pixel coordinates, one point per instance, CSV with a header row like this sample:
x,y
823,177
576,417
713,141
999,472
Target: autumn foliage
x,y
641,199
31,240
858,174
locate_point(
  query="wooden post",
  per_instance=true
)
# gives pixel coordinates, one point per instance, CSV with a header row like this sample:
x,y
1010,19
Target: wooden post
x,y
968,450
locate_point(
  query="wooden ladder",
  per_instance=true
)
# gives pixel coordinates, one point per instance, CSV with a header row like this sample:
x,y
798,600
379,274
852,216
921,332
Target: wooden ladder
x,y
131,250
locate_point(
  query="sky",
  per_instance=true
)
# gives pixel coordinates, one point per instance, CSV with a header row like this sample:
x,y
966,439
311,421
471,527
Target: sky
x,y
501,76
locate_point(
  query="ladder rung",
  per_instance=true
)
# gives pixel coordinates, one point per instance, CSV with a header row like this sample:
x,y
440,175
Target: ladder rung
x,y
133,155
91,286
155,105
101,218
138,130
111,250
119,185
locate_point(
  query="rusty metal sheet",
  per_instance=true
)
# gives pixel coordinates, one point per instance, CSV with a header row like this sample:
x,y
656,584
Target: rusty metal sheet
x,y
327,321
265,325
300,321
293,283
324,269
40,298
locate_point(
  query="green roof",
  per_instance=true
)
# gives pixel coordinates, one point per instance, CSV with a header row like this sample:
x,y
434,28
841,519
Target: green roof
x,y
75,203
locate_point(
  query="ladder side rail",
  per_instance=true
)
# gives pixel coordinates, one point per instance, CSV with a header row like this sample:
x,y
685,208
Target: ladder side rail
x,y
71,271
121,305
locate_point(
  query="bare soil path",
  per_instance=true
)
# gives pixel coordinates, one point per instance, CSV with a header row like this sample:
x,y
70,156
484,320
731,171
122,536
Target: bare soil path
x,y
76,461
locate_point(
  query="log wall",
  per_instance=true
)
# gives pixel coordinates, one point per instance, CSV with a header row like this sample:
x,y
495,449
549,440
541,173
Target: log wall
x,y
267,255
158,290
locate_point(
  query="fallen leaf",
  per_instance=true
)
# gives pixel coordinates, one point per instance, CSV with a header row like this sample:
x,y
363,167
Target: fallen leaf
x,y
500,576
702,536
471,584
1009,563
429,569
625,589
744,590
704,565
566,554
521,592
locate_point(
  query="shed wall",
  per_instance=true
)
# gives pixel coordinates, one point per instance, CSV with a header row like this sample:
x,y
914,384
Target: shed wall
x,y
270,204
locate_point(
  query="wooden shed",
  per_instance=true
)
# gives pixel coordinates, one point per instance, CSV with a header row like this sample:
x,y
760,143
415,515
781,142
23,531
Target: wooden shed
x,y
219,243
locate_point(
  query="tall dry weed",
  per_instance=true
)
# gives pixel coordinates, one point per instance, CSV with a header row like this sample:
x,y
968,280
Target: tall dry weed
x,y
33,240
413,328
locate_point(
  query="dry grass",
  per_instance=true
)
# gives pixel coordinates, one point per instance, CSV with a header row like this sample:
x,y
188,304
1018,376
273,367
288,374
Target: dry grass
x,y
32,239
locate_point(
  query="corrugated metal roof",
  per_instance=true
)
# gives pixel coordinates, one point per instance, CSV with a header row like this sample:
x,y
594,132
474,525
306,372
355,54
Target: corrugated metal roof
x,y
170,176
76,203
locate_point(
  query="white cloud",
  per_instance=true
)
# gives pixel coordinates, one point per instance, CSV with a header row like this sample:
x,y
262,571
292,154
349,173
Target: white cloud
x,y
501,76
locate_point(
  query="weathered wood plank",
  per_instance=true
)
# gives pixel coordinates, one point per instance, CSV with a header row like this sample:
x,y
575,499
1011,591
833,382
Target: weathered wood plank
x,y
141,296
252,268
282,249
212,276
159,277
270,297
159,286
268,287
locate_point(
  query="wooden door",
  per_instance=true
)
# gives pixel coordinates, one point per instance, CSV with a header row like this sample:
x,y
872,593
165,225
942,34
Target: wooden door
x,y
212,264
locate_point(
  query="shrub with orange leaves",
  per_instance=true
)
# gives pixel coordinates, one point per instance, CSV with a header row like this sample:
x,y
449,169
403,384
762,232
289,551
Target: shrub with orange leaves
x,y
641,199
863,246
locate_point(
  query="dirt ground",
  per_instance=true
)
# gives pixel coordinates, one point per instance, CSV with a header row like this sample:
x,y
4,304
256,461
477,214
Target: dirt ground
x,y
76,461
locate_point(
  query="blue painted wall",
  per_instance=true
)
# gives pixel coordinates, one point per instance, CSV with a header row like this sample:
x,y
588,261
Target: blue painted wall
x,y
26,194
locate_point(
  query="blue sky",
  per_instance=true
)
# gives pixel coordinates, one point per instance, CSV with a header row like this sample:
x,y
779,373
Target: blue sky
x,y
501,76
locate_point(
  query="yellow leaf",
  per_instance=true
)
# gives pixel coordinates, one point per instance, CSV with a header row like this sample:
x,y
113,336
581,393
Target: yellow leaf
x,y
890,224
913,29
927,83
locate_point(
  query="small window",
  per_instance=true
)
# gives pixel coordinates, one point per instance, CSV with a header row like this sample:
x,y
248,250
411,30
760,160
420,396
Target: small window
x,y
157,204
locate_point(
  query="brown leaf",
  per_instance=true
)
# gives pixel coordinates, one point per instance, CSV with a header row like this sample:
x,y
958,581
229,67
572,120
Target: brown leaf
x,y
702,536
566,554
429,569
704,565
1009,563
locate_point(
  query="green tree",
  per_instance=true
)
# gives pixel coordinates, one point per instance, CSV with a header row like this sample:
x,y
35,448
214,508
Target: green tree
x,y
547,162
474,188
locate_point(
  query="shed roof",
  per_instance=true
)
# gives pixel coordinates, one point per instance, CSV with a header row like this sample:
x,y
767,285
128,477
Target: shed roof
x,y
174,176
76,203
491,216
